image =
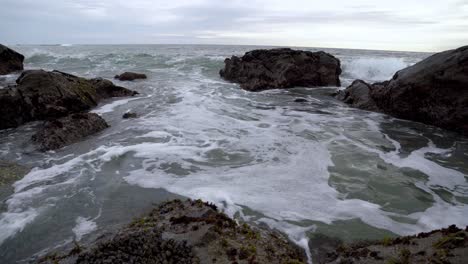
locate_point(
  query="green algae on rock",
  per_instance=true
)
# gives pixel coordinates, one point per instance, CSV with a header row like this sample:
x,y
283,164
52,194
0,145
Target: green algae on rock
x,y
11,172
186,232
448,245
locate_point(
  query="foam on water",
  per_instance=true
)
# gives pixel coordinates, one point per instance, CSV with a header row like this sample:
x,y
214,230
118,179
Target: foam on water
x,y
106,108
83,227
13,222
258,156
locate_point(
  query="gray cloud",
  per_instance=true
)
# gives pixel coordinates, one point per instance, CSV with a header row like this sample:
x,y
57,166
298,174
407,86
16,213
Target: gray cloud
x,y
293,22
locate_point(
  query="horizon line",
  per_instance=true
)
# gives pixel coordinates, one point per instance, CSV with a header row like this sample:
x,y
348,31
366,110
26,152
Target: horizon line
x,y
200,44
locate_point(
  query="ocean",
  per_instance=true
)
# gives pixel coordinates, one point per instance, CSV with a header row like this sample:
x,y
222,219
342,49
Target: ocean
x,y
302,168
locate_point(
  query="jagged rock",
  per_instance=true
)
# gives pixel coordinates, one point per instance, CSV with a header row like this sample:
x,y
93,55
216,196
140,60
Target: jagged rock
x,y
433,91
67,130
10,60
282,68
41,95
130,76
186,232
449,245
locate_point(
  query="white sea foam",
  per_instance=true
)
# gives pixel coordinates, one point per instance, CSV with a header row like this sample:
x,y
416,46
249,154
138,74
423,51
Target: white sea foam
x,y
13,222
107,108
83,227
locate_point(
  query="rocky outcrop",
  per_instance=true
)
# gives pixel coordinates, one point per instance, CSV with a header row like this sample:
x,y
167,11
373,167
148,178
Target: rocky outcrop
x,y
42,95
433,91
67,130
449,245
186,232
10,60
130,76
282,68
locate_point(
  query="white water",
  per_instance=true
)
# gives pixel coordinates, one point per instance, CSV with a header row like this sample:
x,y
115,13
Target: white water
x,y
299,168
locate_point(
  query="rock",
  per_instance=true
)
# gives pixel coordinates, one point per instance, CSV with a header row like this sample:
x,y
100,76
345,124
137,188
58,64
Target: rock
x,y
10,60
282,68
11,172
67,130
129,115
42,95
449,245
301,100
433,91
187,232
358,95
130,76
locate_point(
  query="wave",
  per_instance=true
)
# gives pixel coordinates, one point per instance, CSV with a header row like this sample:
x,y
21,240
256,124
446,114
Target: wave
x,y
373,69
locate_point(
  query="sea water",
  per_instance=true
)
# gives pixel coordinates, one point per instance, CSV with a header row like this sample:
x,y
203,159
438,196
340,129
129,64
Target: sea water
x,y
302,168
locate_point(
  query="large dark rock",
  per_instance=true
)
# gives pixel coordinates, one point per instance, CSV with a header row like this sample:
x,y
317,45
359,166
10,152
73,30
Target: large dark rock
x,y
41,95
68,130
10,60
130,76
282,68
433,91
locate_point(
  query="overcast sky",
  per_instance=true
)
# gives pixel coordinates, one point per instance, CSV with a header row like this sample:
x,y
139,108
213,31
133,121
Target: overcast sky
x,y
420,25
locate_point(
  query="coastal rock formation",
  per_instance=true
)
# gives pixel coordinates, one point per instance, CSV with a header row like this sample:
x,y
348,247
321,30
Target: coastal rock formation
x,y
42,95
449,245
67,130
130,76
433,91
186,232
10,60
282,68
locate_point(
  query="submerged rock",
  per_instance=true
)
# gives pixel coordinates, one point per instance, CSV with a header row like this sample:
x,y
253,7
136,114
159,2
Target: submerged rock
x,y
282,68
42,95
301,100
11,172
67,130
10,60
448,245
433,91
186,232
130,76
129,115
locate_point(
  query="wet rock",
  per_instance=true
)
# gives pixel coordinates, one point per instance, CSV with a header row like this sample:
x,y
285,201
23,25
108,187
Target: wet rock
x,y
433,91
188,232
129,115
42,95
11,172
67,130
130,76
358,95
10,60
301,100
282,68
448,245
